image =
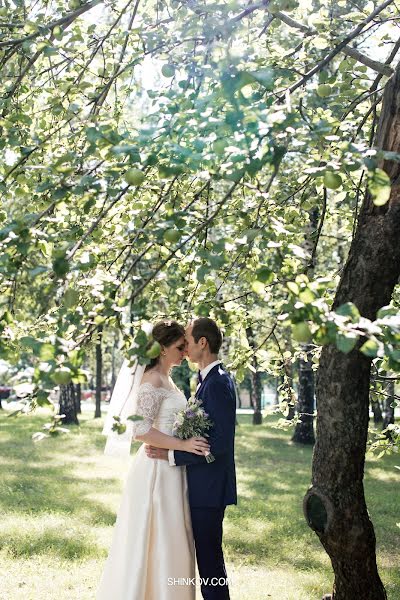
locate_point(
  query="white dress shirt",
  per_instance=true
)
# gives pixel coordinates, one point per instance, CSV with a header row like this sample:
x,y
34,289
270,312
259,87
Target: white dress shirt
x,y
204,372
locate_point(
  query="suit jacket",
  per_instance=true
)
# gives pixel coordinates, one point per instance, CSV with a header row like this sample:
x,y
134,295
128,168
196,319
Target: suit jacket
x,y
214,484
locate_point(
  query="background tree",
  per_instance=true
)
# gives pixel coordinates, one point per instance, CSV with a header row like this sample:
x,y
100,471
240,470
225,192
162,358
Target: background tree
x,y
78,397
67,404
304,428
99,371
255,380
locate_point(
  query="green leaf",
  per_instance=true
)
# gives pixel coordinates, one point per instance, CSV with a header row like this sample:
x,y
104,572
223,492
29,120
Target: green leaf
x,y
201,273
29,342
345,343
306,296
60,266
120,428
60,193
386,311
50,51
320,42
251,234
202,310
134,418
42,397
62,376
293,287
37,271
395,355
265,275
71,298
93,134
7,317
370,348
379,187
301,332
154,350
258,287
216,260
47,352
264,76
141,338
348,310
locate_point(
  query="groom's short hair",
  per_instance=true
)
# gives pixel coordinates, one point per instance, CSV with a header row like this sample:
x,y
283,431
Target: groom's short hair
x,y
205,327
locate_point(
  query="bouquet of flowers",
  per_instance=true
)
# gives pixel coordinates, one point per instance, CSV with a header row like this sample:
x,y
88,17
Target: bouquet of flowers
x,y
192,421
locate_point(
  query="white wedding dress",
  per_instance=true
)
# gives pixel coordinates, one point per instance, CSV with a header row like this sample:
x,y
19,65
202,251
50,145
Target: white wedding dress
x,y
152,545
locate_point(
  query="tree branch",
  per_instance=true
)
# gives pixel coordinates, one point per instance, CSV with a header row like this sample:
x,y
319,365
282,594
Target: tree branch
x,y
247,11
95,223
320,226
375,65
382,68
25,157
184,243
103,95
388,61
66,20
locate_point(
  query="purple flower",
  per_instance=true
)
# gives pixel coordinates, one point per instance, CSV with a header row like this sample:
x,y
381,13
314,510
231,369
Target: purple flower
x,y
206,414
190,414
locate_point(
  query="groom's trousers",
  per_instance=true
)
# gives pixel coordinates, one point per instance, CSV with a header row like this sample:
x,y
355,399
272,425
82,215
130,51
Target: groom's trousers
x,y
207,533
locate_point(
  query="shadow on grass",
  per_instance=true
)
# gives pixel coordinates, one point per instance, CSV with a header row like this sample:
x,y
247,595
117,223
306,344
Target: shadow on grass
x,y
21,545
39,480
59,476
268,523
50,490
273,476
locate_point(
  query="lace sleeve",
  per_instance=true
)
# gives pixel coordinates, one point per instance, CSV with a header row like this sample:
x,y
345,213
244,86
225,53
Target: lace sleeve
x,y
148,404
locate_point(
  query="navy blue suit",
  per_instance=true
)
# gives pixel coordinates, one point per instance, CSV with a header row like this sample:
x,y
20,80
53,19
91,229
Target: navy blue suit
x,y
212,486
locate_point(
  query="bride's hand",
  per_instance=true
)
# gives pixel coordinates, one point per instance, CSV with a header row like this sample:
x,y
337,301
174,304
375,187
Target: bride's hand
x,y
196,445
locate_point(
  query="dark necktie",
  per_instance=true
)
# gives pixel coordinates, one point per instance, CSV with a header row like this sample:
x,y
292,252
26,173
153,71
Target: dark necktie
x,y
199,378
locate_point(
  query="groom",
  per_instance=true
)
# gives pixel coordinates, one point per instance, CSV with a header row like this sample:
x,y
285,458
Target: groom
x,y
212,486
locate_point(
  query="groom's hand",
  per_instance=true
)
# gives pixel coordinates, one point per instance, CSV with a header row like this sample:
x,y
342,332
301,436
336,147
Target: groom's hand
x,y
153,452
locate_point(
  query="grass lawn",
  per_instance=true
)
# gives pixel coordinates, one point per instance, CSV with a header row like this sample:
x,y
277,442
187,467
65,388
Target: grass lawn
x,y
59,499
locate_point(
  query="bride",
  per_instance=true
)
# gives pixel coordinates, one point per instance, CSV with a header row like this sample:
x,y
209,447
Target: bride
x,y
152,549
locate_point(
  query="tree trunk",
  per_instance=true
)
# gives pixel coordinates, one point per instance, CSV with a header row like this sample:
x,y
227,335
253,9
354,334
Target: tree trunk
x,y
256,388
182,376
389,406
375,402
304,430
256,398
238,401
288,376
113,372
68,404
78,398
99,372
238,398
340,245
335,505
377,411
4,394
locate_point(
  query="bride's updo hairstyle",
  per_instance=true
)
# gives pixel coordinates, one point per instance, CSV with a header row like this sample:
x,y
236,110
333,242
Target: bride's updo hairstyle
x,y
165,333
